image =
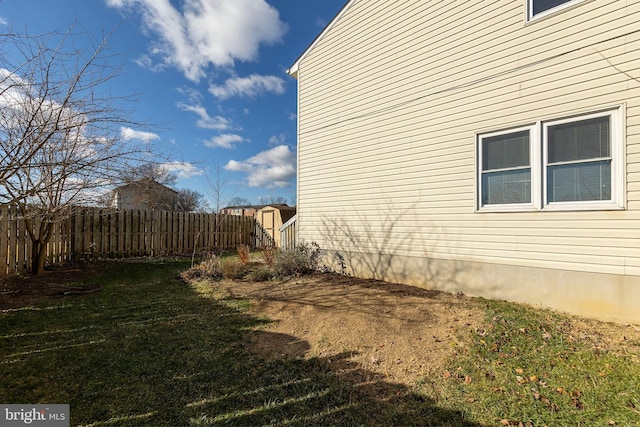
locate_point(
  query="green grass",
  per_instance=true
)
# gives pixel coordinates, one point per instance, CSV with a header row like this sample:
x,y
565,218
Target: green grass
x,y
150,350
528,368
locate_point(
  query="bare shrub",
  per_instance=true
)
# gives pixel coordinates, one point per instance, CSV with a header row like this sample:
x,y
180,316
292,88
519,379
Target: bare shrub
x,y
303,259
262,274
233,269
244,254
208,268
269,253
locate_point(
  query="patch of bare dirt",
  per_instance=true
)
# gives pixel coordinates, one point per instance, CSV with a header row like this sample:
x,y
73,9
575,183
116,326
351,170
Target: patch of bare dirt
x,y
402,332
22,290
607,337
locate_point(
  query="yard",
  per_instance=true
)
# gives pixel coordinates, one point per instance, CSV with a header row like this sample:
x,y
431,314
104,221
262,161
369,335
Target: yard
x,y
130,344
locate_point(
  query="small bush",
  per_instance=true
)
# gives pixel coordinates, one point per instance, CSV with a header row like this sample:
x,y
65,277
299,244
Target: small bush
x,y
207,268
269,254
262,274
244,254
303,259
232,269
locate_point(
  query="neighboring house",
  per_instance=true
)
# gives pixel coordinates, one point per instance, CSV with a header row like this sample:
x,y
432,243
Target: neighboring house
x,y
144,195
245,210
491,148
271,218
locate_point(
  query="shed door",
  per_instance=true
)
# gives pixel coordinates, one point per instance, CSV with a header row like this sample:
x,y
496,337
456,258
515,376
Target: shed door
x,y
268,222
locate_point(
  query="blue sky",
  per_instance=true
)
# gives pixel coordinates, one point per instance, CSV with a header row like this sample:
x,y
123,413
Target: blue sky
x,y
209,75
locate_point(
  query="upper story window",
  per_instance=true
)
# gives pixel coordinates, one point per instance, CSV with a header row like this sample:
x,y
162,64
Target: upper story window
x,y
538,8
568,164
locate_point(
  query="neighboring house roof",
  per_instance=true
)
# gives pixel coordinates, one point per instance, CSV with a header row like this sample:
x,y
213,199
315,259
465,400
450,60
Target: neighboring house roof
x,y
280,207
244,207
293,70
145,184
258,207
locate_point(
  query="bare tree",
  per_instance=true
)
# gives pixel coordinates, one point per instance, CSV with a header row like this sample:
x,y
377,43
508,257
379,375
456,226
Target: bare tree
x,y
239,201
219,188
60,130
149,171
273,200
189,201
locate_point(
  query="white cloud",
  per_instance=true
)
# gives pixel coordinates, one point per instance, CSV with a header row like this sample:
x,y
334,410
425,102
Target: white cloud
x,y
224,141
273,168
3,21
251,86
277,140
128,133
205,121
19,97
207,32
116,3
183,170
145,61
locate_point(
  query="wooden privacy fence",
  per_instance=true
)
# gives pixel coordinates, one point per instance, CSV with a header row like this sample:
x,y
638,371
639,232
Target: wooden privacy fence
x,y
107,233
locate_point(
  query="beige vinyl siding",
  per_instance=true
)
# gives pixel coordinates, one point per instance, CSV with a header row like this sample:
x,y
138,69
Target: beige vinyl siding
x,y
442,68
392,98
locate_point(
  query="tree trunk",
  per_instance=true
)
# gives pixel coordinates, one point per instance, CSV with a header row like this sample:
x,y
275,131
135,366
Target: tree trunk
x,y
38,256
39,248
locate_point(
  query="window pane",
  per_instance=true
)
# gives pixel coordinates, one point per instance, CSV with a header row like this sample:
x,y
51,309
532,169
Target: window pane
x,y
505,151
579,182
542,5
586,139
506,187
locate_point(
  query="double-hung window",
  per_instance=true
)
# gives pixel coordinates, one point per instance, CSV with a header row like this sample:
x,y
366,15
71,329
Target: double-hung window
x,y
539,8
578,160
506,167
573,163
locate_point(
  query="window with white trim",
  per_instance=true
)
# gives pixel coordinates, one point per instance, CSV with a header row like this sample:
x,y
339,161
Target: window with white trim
x,y
573,163
506,167
539,8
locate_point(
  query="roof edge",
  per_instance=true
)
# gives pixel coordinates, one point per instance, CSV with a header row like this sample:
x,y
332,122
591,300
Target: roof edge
x,y
293,70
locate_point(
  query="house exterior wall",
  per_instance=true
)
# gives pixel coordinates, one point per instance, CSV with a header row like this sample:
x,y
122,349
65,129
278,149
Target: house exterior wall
x,y
239,210
144,196
391,102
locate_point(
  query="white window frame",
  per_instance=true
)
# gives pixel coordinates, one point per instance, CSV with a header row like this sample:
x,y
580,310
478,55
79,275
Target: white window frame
x,y
616,139
538,146
534,159
532,17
